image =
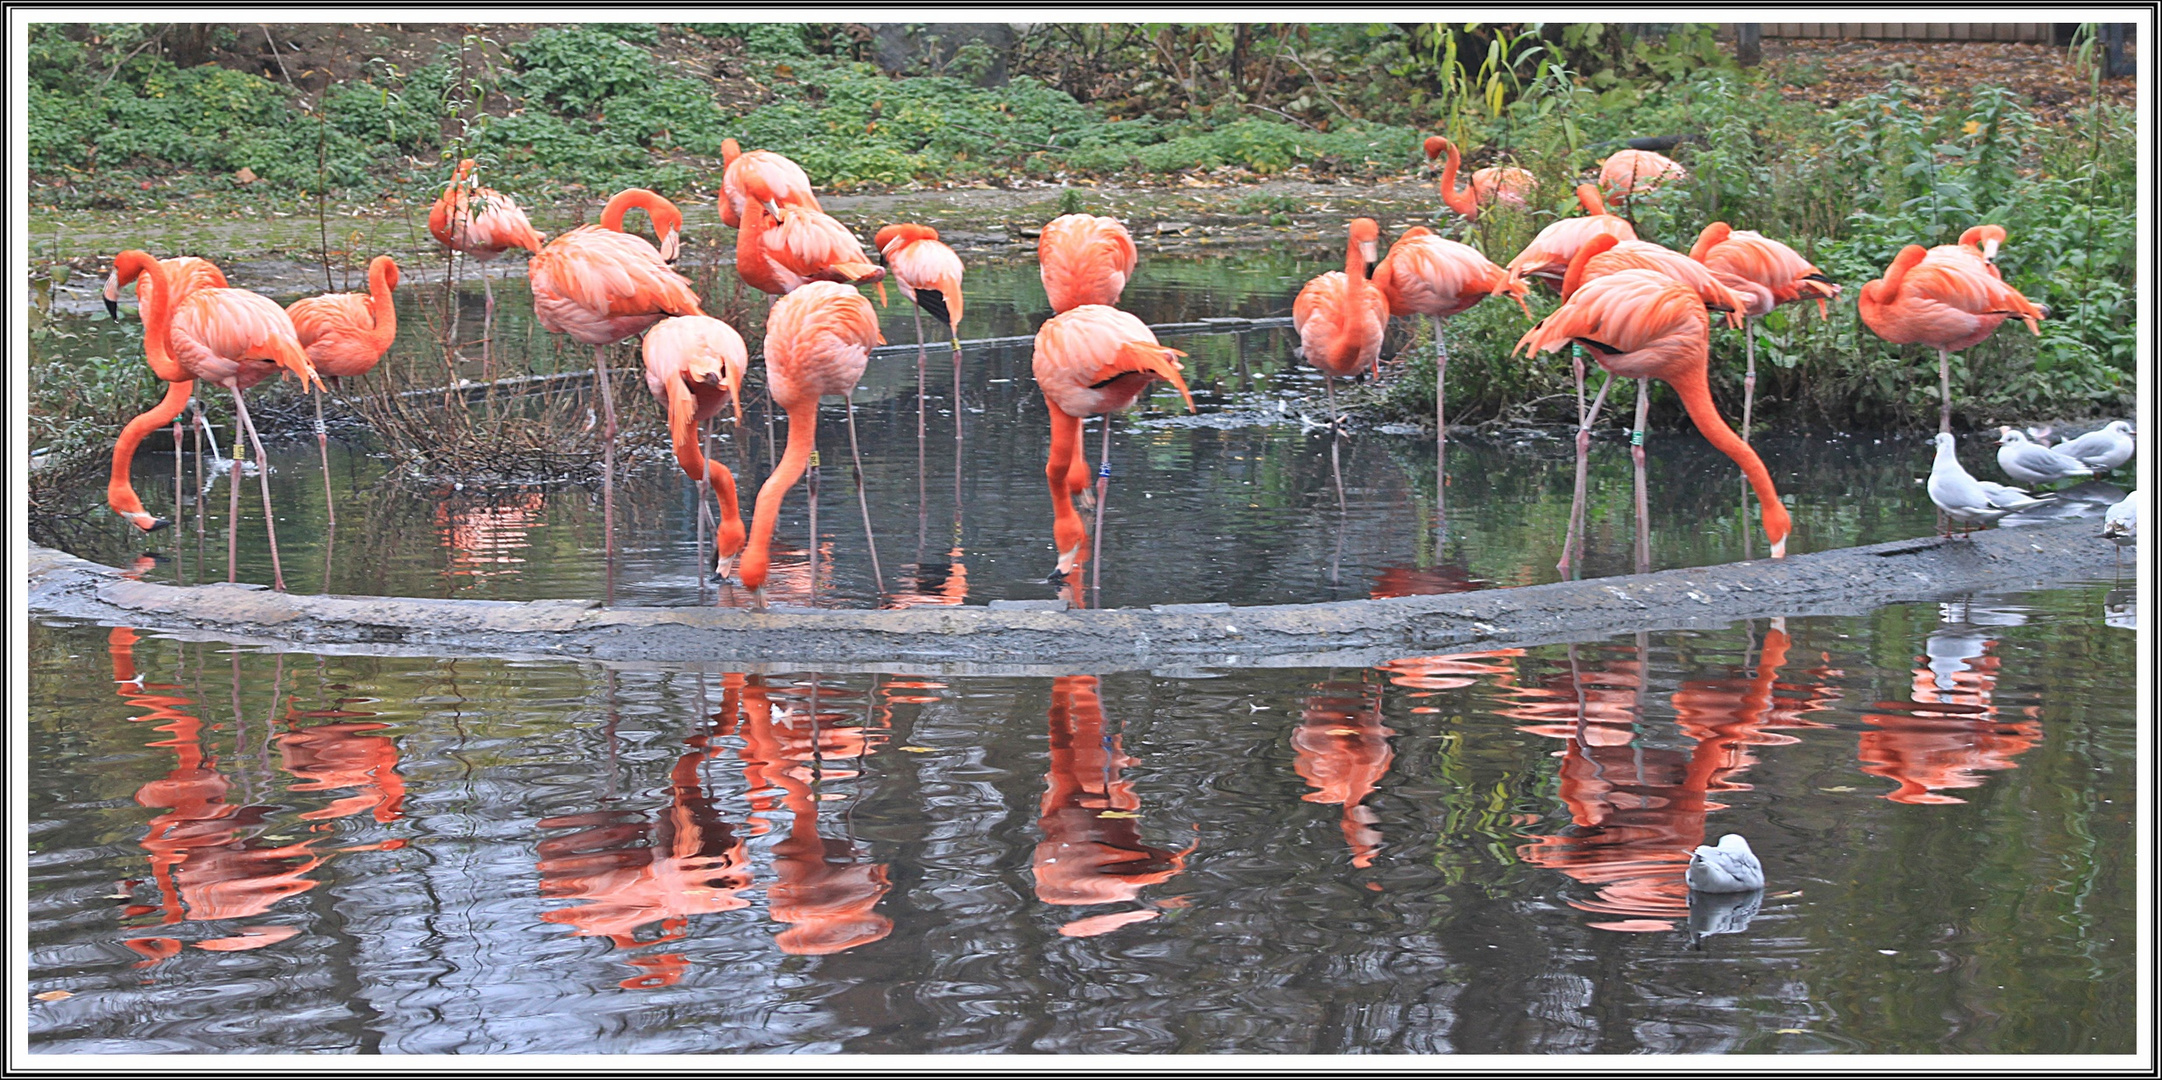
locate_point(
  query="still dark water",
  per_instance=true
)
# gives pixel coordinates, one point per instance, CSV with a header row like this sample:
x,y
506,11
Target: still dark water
x,y
235,850
239,851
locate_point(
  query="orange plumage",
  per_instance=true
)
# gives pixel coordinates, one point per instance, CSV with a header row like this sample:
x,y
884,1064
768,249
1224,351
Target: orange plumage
x,y
818,340
482,222
1642,324
1084,259
1091,360
1340,315
1547,256
347,333
695,366
761,176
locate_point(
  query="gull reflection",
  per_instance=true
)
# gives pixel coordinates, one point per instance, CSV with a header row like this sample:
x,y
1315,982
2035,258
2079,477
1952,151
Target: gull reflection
x,y
1952,731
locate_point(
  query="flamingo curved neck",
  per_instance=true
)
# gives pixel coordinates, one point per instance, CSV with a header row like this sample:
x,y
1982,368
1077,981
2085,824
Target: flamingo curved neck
x,y
802,439
1692,387
382,308
1464,202
664,215
155,305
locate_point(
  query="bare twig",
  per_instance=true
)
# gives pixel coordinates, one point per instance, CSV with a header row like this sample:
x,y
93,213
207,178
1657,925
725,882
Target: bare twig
x,y
1285,115
147,42
1294,54
274,55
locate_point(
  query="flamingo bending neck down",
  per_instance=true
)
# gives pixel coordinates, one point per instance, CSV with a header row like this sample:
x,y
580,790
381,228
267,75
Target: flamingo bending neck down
x,y
1340,316
694,366
159,285
234,338
1642,324
346,334
1091,360
818,340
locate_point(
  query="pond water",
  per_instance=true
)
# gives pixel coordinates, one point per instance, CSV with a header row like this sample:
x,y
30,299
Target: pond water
x,y
1238,503
240,850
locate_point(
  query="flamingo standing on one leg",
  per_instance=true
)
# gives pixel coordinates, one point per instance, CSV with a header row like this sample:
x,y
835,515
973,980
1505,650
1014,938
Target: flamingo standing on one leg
x,y
1084,259
601,285
483,223
1091,360
1488,186
695,365
1642,324
173,281
818,339
1766,273
1340,316
234,338
1425,274
1945,298
346,334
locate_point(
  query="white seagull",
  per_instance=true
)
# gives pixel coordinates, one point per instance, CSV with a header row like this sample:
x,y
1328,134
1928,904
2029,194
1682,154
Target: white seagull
x,y
2121,523
2102,449
1729,868
1956,492
2028,463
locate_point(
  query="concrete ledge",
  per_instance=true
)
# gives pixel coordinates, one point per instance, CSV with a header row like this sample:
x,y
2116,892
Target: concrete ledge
x,y
1166,637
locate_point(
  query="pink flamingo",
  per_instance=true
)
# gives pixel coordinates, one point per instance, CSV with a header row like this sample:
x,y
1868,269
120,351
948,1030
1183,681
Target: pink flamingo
x,y
346,334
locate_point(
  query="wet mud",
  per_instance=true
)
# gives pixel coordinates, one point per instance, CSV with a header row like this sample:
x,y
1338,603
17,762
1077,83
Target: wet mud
x,y
1043,637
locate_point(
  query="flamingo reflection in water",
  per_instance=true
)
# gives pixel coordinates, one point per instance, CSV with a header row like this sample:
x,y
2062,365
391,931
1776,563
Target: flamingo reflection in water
x,y
205,864
1953,730
346,753
484,536
1092,852
821,888
1343,752
1637,811
633,870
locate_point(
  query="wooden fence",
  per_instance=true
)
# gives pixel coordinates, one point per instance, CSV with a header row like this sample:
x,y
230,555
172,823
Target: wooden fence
x,y
1984,31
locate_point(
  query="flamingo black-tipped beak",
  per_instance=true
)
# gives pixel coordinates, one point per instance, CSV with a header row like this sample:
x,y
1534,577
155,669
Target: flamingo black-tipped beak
x,y
112,309
724,566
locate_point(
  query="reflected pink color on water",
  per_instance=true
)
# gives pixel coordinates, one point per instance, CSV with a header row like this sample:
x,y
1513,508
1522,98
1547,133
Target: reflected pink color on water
x,y
1092,851
1953,731
1343,750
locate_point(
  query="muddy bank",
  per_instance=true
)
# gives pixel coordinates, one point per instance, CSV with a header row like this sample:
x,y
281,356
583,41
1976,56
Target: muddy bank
x,y
1019,637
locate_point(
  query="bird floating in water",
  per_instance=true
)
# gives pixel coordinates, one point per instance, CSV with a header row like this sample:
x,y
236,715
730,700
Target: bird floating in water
x,y
2102,449
1729,868
2027,463
1956,492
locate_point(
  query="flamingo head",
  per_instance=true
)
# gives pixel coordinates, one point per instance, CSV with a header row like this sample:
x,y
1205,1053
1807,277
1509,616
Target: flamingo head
x,y
112,294
1986,237
1366,232
1435,144
388,267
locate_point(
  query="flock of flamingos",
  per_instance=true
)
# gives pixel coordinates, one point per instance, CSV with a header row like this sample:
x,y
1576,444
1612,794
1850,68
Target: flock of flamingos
x,y
1640,310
